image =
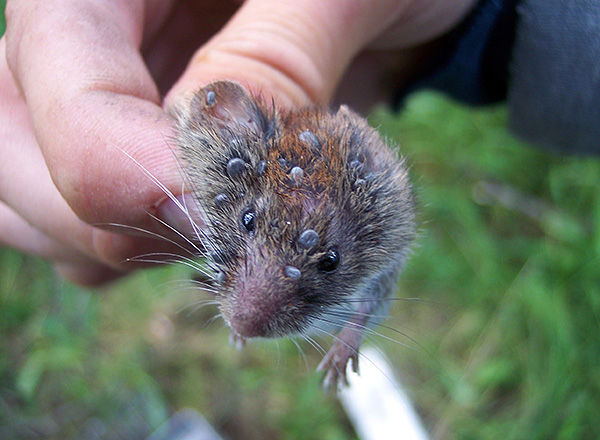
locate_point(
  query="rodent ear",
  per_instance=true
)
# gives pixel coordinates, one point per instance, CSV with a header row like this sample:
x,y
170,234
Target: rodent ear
x,y
345,111
227,104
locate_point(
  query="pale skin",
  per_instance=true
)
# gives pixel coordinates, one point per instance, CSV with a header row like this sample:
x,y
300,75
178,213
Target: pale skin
x,y
80,91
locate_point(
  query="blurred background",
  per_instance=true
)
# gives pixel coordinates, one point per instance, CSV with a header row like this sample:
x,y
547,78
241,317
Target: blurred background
x,y
495,332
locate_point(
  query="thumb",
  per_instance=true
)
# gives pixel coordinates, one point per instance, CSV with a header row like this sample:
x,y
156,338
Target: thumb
x,y
296,50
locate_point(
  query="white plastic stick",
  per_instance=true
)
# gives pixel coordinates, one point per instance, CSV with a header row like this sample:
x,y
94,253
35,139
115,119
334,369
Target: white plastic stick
x,y
376,404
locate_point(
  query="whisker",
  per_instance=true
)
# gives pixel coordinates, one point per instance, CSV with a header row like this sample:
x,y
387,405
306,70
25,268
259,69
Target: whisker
x,y
180,234
150,233
313,343
371,332
332,335
302,354
175,259
196,287
151,261
198,305
389,378
151,176
278,362
205,285
362,357
197,230
213,319
347,315
394,299
172,197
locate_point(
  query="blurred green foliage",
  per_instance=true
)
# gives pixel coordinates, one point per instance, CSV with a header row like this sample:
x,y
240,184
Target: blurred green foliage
x,y
510,244
2,19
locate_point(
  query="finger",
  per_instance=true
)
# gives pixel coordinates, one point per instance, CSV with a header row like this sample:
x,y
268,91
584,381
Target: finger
x,y
18,234
91,99
93,275
26,190
291,49
51,229
299,50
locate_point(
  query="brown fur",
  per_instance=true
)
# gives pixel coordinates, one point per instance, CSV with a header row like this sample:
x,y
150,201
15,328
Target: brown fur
x,y
349,188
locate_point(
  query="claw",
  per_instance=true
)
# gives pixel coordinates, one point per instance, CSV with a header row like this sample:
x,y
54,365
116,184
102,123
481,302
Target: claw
x,y
354,359
344,350
335,364
237,341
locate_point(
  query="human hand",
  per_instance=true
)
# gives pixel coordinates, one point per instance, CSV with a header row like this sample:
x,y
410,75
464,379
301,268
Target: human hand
x,y
80,92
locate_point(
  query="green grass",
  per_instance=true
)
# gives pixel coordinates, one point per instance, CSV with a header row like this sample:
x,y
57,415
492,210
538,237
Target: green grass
x,y
514,338
503,341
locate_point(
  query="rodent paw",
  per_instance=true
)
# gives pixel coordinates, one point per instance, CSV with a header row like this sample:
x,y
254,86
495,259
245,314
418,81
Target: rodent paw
x,y
335,363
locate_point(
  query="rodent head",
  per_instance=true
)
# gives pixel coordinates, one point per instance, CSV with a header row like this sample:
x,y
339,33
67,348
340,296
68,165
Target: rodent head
x,y
302,209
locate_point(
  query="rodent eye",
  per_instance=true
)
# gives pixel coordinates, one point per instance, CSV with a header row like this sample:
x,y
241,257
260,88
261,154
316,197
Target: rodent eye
x,y
248,220
330,261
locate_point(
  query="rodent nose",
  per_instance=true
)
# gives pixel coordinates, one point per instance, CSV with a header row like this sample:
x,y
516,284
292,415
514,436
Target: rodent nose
x,y
259,316
251,323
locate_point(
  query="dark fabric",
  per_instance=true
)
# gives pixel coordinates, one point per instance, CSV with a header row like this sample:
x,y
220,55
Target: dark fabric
x,y
472,65
542,56
554,96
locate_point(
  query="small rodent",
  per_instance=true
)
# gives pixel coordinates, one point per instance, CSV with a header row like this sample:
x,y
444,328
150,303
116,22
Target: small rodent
x,y
308,214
